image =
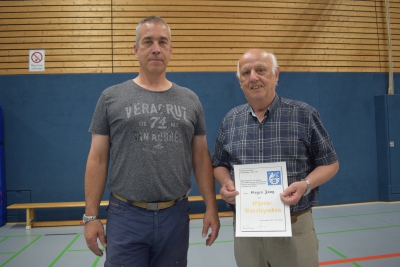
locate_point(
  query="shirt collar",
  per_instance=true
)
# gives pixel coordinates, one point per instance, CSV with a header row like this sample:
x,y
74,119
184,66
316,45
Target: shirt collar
x,y
270,109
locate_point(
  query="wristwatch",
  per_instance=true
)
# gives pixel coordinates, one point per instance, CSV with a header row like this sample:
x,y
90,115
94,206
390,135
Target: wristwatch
x,y
308,186
87,219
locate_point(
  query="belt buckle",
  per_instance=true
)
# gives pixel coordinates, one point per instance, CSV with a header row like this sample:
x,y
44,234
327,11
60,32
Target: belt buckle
x,y
152,206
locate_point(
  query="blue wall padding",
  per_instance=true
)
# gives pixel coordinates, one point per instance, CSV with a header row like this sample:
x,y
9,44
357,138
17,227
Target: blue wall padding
x,y
382,147
1,124
347,109
387,110
394,136
3,203
17,196
46,121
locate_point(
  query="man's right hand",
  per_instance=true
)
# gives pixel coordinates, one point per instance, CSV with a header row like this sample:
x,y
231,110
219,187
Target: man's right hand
x,y
228,192
93,230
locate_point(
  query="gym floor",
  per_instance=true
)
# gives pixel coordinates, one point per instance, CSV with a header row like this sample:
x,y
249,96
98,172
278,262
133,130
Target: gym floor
x,y
366,235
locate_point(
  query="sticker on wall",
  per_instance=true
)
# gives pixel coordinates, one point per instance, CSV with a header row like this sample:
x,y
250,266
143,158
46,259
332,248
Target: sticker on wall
x,y
36,60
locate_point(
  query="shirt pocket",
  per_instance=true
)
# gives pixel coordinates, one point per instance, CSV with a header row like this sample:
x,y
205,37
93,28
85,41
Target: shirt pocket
x,y
243,151
295,152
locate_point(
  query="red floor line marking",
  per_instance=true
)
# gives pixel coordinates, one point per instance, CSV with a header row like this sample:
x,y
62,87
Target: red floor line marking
x,y
368,258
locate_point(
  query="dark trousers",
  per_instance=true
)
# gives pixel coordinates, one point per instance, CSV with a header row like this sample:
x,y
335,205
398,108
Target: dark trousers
x,y
137,237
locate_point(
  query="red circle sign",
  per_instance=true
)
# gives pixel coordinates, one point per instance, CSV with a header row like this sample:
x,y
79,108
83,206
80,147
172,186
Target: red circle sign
x,y
37,57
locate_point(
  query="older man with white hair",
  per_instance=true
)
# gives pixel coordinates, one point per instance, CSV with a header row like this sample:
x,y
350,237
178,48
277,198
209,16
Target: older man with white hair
x,y
268,129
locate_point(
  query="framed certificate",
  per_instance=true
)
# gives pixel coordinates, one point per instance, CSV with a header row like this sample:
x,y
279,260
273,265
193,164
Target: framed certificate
x,y
259,209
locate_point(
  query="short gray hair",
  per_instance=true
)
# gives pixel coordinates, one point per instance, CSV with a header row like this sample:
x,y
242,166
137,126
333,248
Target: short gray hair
x,y
274,64
151,19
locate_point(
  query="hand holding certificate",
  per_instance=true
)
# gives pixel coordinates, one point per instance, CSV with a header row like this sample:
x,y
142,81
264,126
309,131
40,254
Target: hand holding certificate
x,y
259,209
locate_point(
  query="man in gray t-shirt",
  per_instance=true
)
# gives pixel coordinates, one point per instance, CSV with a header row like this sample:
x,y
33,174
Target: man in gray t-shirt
x,y
156,133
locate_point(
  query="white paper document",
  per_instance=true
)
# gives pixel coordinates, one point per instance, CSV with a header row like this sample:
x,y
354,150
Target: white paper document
x,y
259,209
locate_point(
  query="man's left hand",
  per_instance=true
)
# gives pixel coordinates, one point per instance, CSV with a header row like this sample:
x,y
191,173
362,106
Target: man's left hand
x,y
210,220
293,193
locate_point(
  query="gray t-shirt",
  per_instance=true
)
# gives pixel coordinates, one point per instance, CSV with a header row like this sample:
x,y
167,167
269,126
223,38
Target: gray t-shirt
x,y
150,134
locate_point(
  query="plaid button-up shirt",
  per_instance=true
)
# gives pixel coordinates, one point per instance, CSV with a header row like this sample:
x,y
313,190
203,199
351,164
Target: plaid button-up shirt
x,y
291,132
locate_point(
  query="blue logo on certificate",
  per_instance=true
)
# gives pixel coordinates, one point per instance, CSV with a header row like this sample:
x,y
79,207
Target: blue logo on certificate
x,y
274,178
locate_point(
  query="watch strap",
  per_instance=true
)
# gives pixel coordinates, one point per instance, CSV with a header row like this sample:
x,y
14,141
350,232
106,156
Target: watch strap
x,y
308,186
87,219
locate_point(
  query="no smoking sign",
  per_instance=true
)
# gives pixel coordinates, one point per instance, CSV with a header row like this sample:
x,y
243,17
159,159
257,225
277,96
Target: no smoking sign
x,y
36,60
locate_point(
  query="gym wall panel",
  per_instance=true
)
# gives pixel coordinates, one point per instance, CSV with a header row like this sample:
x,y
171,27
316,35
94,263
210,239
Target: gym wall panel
x,y
347,107
76,35
46,121
3,202
387,112
209,36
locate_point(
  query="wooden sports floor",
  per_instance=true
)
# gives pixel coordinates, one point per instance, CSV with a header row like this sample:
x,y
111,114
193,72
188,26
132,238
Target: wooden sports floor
x,y
366,235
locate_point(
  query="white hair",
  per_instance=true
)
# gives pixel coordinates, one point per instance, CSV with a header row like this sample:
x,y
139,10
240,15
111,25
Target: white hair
x,y
274,64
